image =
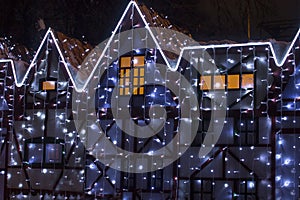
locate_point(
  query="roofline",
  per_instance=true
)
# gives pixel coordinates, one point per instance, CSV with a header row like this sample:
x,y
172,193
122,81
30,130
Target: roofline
x,y
33,62
278,62
131,3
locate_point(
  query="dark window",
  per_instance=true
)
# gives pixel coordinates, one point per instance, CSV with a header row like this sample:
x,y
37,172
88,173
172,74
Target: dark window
x,y
44,151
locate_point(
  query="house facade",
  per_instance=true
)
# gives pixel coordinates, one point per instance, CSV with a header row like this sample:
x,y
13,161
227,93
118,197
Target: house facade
x,y
45,146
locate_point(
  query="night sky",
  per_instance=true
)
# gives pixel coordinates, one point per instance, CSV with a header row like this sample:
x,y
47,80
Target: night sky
x,y
206,20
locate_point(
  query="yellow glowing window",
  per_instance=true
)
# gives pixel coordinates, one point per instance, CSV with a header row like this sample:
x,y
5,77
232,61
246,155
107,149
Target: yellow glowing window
x,y
135,72
125,62
122,73
233,81
205,82
132,75
127,74
141,89
142,72
126,91
139,61
127,82
135,81
121,81
247,81
142,81
219,82
49,85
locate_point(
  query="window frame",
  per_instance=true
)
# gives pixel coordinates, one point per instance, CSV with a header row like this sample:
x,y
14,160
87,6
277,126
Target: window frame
x,y
43,142
132,75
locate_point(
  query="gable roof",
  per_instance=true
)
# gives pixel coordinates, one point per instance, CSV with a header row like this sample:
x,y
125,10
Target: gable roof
x,y
17,56
130,10
73,52
13,51
156,20
4,51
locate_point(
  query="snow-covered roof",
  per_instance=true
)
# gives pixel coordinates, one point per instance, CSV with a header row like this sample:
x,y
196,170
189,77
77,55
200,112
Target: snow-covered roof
x,y
73,50
157,20
13,51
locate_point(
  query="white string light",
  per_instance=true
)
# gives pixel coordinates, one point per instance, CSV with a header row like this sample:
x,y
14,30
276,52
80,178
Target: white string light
x,y
278,61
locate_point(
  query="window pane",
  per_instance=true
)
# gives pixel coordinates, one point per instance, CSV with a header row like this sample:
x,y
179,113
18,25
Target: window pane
x,y
233,82
142,71
127,82
205,82
35,153
127,74
121,91
219,82
142,81
141,90
48,85
136,72
53,153
125,62
121,82
139,61
122,73
251,187
197,186
132,76
126,91
207,186
247,81
135,81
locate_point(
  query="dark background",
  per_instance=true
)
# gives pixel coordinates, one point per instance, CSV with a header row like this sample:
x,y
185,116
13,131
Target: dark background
x,y
93,20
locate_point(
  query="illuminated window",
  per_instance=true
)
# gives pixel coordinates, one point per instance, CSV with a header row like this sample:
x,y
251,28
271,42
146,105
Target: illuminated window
x,y
233,82
219,82
205,82
125,62
48,84
247,81
139,61
132,75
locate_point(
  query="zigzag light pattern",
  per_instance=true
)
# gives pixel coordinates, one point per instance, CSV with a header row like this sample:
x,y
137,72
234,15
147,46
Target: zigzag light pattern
x,y
278,62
